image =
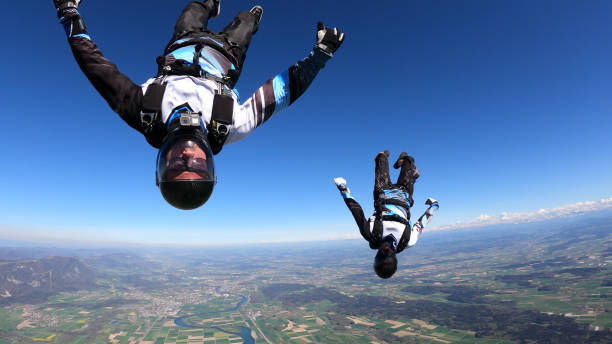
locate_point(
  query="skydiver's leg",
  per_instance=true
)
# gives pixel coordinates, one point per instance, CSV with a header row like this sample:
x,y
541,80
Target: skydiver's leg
x,y
194,18
408,174
239,33
381,173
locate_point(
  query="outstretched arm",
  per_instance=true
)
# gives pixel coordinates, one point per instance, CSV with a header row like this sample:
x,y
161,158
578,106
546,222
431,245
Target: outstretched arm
x,y
423,220
121,94
355,208
285,88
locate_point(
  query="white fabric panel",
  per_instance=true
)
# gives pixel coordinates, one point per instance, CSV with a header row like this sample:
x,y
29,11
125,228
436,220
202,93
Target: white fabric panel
x,y
390,227
199,94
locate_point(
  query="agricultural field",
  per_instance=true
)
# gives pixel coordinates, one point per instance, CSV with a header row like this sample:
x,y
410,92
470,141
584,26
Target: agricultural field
x,y
527,283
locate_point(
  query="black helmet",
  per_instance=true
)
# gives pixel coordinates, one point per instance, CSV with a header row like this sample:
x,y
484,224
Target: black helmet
x,y
385,262
185,168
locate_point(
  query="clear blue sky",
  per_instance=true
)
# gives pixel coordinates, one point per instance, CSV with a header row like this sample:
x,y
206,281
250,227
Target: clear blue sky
x,y
506,106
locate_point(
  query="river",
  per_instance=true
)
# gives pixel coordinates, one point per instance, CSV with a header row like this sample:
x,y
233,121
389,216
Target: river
x,y
245,332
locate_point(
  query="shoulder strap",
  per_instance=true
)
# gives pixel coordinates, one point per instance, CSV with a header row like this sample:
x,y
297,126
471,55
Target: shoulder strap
x,y
152,100
220,121
377,232
151,112
403,242
395,218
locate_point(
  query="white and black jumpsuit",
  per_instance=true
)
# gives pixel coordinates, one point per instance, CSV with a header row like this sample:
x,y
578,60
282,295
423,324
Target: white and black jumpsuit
x,y
220,53
392,203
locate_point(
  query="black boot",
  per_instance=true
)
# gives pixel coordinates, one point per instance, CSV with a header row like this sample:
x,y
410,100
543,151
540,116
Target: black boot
x,y
215,8
400,160
257,11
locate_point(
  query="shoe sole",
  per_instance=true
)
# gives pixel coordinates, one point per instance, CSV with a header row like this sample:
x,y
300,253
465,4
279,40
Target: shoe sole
x,y
258,16
400,161
218,10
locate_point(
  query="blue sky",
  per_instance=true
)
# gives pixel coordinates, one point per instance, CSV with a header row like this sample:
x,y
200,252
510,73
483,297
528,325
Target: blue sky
x,y
505,106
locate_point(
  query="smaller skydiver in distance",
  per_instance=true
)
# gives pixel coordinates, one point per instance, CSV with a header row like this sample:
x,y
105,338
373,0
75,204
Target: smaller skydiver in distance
x,y
190,109
389,230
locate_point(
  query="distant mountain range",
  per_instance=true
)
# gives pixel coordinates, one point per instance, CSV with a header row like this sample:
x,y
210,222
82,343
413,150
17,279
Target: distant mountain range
x,y
33,280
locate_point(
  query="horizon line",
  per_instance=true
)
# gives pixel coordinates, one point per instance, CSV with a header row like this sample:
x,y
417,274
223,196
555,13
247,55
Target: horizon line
x,y
484,220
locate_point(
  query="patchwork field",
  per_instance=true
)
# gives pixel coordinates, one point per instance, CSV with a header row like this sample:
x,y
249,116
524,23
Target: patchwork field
x,y
498,285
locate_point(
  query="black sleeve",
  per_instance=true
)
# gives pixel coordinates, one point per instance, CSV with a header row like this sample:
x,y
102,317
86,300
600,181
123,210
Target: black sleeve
x,y
121,94
362,222
303,73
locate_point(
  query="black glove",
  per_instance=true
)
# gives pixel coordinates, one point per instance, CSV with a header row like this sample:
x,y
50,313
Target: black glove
x,y
327,39
66,8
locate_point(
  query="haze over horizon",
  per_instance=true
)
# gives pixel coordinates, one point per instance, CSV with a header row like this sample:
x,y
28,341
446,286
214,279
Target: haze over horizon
x,y
505,105
582,210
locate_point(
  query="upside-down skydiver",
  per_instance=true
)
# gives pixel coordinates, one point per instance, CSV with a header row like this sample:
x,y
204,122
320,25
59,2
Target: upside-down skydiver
x,y
389,229
191,109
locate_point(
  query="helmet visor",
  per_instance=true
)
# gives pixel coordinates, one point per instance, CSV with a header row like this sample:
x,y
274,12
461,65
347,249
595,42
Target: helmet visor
x,y
185,158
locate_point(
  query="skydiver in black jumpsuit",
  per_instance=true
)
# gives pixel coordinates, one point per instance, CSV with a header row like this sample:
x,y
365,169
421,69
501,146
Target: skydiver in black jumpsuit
x,y
389,229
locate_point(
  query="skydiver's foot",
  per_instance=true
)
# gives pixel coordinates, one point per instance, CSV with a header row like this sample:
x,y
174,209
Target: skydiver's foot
x,y
400,160
66,8
257,11
215,7
385,153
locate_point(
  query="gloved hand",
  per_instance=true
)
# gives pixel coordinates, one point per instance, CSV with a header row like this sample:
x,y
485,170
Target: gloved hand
x,y
329,40
341,184
66,8
433,207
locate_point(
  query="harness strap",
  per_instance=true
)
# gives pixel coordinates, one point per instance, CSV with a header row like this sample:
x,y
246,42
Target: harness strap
x,y
403,242
168,65
395,218
399,203
204,41
151,111
223,103
377,232
220,121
